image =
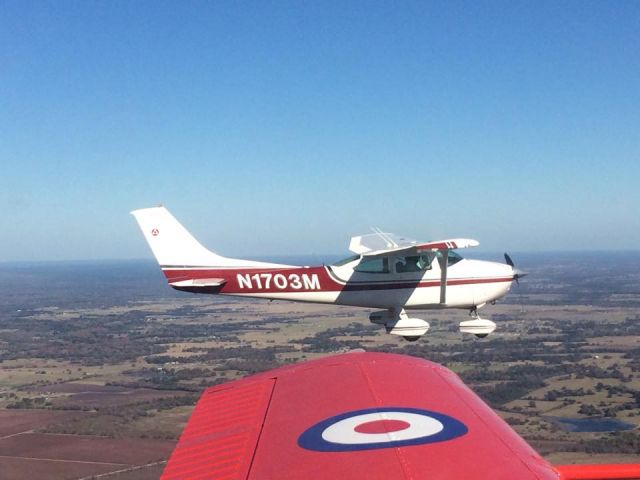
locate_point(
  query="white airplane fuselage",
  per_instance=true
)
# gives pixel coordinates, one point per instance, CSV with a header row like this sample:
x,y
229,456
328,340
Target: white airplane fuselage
x,y
427,276
469,283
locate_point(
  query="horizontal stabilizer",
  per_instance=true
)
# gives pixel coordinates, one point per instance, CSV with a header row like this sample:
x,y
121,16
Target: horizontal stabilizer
x,y
199,285
200,282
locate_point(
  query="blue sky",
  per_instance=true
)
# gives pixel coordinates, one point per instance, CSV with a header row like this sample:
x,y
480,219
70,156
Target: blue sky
x,y
286,127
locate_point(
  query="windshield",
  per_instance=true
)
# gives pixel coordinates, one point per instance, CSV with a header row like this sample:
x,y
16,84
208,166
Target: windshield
x,y
452,259
346,260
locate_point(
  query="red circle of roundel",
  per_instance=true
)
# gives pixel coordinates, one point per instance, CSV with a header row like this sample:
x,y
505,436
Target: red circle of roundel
x,y
386,427
155,232
382,426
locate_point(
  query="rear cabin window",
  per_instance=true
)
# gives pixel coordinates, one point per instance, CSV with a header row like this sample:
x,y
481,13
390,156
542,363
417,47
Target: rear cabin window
x,y
373,265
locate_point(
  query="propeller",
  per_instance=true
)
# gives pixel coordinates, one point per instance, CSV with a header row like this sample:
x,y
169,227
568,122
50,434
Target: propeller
x,y
507,259
517,274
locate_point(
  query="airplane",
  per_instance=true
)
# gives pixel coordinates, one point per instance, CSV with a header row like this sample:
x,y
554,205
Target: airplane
x,y
359,415
388,272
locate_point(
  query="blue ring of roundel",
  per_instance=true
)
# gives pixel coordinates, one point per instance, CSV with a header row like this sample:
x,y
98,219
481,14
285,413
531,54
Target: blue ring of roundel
x,y
311,439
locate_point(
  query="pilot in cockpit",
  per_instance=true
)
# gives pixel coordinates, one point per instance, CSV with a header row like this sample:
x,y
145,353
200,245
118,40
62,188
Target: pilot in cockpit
x,y
415,263
407,264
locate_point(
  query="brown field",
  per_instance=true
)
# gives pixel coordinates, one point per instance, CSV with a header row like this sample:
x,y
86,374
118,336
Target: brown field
x,y
16,468
76,456
16,421
97,399
86,448
78,388
146,472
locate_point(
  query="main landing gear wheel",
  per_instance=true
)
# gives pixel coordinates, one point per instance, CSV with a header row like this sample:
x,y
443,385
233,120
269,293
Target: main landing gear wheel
x,y
397,322
479,327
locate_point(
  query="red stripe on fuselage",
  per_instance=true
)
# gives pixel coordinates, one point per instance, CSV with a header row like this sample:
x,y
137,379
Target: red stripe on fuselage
x,y
302,279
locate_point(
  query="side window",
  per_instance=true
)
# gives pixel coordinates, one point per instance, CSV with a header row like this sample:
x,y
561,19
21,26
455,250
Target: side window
x,y
373,265
414,263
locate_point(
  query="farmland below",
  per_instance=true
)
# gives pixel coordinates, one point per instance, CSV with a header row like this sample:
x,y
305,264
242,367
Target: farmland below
x,y
101,363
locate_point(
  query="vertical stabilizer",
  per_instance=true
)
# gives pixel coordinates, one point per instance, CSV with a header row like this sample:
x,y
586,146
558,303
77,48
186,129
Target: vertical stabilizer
x,y
170,242
173,245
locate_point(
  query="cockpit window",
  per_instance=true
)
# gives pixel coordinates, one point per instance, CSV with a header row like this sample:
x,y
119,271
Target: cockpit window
x,y
452,259
413,263
346,260
373,265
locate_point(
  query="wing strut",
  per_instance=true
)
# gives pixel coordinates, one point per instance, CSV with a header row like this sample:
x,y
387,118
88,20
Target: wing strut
x,y
444,262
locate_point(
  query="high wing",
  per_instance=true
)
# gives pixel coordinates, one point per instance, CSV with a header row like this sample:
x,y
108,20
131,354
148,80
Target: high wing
x,y
382,243
354,416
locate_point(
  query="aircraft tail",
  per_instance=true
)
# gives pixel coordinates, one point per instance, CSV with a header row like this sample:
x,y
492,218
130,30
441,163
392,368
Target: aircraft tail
x,y
173,245
170,242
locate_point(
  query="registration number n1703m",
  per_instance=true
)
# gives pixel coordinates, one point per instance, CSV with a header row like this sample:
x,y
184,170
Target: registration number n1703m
x,y
279,281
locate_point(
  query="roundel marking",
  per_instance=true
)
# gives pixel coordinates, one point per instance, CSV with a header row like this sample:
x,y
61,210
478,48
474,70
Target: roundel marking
x,y
155,232
375,428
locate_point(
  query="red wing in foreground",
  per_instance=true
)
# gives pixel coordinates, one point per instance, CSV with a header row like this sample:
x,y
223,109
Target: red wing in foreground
x,y
599,472
355,416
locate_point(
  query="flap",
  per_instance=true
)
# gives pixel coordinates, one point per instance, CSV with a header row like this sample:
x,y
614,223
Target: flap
x,y
220,439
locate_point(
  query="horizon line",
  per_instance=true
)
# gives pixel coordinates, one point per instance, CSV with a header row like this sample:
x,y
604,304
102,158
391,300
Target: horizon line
x,y
337,255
